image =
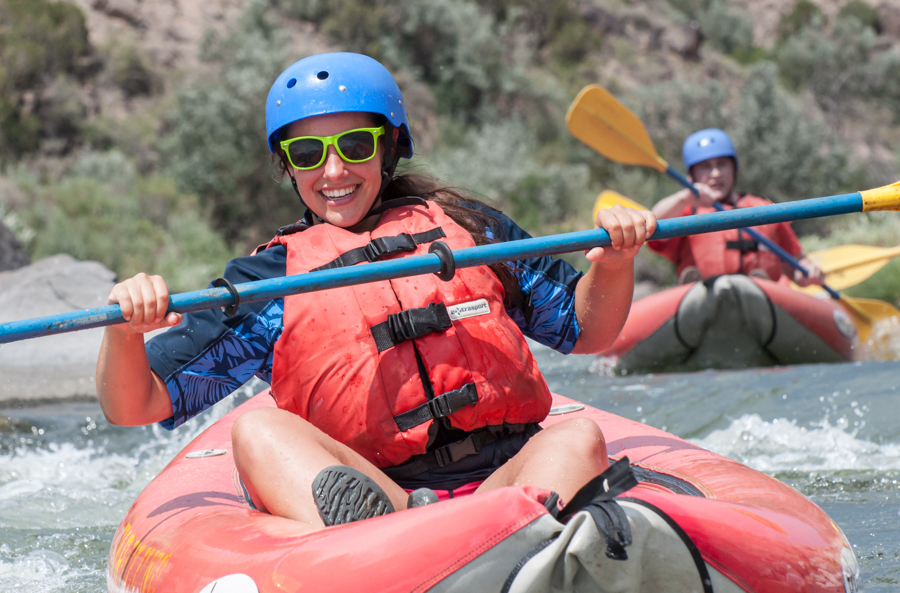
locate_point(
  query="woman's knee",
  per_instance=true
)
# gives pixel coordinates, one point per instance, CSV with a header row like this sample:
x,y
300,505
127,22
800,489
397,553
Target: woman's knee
x,y
582,436
245,435
256,433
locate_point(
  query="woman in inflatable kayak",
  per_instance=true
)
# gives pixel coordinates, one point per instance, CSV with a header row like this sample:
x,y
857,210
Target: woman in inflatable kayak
x,y
418,385
712,165
734,306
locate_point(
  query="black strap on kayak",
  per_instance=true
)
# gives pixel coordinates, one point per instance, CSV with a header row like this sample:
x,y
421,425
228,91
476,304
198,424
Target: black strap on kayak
x,y
472,444
376,248
410,324
442,405
597,498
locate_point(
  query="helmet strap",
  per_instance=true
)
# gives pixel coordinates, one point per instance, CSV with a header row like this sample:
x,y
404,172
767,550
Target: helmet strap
x,y
390,160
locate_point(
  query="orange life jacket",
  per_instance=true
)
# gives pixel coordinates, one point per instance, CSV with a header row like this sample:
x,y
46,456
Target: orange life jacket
x,y
347,357
735,251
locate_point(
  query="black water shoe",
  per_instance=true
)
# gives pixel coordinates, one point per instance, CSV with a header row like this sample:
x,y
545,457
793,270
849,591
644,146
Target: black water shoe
x,y
344,495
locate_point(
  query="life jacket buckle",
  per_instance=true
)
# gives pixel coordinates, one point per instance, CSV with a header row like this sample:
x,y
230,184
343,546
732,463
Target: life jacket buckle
x,y
415,323
386,245
439,407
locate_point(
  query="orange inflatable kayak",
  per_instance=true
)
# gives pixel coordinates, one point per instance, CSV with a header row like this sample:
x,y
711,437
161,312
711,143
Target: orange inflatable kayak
x,y
731,322
698,522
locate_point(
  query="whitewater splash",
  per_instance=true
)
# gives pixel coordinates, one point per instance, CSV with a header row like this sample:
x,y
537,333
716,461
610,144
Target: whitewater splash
x,y
71,497
785,446
884,341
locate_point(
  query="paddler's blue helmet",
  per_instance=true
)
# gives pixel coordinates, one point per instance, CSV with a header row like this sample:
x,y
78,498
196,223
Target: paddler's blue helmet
x,y
337,83
707,144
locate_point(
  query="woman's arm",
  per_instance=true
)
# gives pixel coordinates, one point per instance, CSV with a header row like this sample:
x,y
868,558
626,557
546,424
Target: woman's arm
x,y
673,206
130,393
603,295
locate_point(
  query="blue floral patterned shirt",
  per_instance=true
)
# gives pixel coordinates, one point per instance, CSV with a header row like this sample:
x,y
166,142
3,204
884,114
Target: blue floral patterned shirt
x,y
208,356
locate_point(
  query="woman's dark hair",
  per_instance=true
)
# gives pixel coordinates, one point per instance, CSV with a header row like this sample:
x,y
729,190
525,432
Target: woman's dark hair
x,y
472,215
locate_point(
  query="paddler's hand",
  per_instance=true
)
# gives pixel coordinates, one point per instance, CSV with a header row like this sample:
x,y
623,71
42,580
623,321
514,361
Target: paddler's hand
x,y
144,300
816,275
708,195
628,230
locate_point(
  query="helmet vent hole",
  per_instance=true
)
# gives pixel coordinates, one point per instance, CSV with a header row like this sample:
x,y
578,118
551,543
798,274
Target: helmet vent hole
x,y
322,75
291,83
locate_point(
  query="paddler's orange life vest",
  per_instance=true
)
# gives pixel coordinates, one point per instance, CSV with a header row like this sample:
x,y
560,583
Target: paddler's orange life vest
x,y
730,252
347,358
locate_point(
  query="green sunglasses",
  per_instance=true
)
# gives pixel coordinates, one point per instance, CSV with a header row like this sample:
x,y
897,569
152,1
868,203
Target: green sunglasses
x,y
354,146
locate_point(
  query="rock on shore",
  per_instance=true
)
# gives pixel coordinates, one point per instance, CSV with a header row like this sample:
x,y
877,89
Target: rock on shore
x,y
58,367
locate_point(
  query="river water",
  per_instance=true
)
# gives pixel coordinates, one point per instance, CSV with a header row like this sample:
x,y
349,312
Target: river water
x,y
831,431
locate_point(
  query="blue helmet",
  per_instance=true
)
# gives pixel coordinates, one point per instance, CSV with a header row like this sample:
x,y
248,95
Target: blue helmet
x,y
336,83
707,144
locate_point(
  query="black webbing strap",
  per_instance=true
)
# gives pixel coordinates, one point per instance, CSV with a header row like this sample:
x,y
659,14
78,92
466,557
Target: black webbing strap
x,y
409,324
442,456
743,245
376,248
443,405
597,498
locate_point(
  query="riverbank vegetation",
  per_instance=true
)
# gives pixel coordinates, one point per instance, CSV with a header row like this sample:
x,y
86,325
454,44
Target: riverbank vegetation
x,y
112,153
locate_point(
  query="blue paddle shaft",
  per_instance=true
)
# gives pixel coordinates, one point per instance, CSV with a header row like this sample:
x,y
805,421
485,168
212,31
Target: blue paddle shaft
x,y
263,290
757,236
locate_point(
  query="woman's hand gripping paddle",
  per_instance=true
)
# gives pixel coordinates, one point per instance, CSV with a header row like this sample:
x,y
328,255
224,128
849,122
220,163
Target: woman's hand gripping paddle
x,y
600,121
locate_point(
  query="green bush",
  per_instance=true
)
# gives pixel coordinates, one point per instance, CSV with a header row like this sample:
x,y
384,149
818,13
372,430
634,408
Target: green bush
x,y
38,39
103,210
863,12
473,57
692,8
785,152
885,81
40,42
834,67
805,14
216,146
497,163
728,29
129,70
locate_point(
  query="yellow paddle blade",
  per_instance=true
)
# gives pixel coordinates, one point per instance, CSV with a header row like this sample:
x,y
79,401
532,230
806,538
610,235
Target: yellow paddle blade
x,y
867,314
609,198
873,318
600,121
848,265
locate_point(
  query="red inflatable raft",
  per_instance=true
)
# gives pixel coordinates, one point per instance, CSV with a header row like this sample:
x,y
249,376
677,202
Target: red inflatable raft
x,y
699,522
731,322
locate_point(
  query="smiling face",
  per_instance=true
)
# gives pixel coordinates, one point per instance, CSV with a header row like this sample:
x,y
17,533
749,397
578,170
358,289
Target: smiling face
x,y
339,192
717,173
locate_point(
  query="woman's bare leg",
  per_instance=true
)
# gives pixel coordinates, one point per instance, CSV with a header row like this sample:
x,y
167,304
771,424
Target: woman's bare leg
x,y
278,455
561,458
